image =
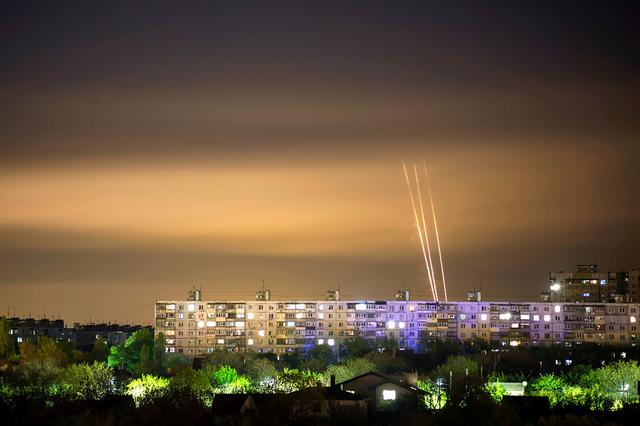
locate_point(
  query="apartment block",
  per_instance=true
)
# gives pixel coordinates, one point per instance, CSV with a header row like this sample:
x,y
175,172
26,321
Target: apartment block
x,y
195,327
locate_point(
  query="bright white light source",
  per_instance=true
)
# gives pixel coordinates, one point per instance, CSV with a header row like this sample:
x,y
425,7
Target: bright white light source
x,y
515,325
200,324
632,319
505,316
525,316
388,395
412,308
191,307
556,309
250,342
331,342
300,306
514,343
321,307
321,315
250,315
483,317
291,324
239,324
321,341
361,306
171,307
299,315
401,324
555,287
391,324
221,341
261,333
536,317
211,323
547,318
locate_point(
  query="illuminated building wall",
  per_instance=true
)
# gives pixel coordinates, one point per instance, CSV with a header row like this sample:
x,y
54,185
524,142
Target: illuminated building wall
x,y
197,327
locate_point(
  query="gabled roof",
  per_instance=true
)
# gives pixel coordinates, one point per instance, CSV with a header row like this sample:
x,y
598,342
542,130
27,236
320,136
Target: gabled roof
x,y
326,393
229,403
383,379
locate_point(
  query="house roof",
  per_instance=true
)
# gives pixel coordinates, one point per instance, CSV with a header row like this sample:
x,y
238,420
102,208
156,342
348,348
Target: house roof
x,y
383,378
326,393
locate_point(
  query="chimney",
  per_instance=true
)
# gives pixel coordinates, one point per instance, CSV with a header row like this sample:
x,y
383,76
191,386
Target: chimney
x,y
333,380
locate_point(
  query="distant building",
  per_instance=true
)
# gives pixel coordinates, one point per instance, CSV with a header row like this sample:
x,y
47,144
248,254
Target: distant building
x,y
83,335
195,328
587,284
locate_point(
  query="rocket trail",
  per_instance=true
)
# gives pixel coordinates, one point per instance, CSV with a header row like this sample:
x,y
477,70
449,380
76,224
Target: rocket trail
x,y
435,225
426,233
415,214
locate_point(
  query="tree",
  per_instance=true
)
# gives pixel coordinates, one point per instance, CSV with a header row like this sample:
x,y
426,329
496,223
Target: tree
x,y
460,374
7,345
356,347
291,380
192,383
319,358
348,369
436,398
147,388
549,385
100,351
86,381
134,354
261,371
40,364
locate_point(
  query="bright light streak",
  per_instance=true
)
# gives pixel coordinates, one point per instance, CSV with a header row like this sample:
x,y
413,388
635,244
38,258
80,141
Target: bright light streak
x,y
426,233
435,225
415,214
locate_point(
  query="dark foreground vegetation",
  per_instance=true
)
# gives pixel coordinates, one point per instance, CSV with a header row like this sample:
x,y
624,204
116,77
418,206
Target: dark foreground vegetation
x,y
48,382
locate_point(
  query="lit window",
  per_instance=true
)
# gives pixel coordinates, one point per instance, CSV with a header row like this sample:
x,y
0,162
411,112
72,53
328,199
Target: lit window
x,y
171,307
555,287
632,319
401,324
321,315
412,308
300,306
536,317
239,324
19,339
191,307
321,307
505,316
221,341
200,324
261,333
331,342
321,341
172,349
291,324
250,342
250,315
391,324
483,317
211,323
556,308
515,325
361,306
525,316
299,315
547,318
388,395
514,343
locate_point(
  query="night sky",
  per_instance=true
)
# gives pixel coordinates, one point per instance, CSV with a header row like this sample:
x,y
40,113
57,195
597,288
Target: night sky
x,y
146,147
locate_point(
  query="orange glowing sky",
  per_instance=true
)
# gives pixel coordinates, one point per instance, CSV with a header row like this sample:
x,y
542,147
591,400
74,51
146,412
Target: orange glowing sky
x,y
137,163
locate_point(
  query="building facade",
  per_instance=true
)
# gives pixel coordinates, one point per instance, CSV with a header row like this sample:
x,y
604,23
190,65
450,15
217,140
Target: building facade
x,y
196,327
587,284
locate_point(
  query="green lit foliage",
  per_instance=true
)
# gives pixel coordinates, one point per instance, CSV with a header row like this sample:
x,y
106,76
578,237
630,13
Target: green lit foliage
x,y
147,388
194,384
100,351
85,382
40,365
551,386
136,354
261,372
436,398
7,345
347,370
291,380
495,389
227,380
235,360
619,381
